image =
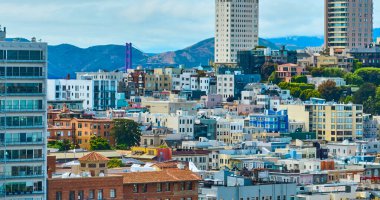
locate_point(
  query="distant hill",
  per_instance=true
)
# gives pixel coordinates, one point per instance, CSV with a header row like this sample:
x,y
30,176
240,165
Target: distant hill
x,y
298,42
67,59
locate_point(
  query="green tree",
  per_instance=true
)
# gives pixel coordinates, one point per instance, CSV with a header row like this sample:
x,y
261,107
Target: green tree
x,y
357,65
353,79
99,143
348,99
329,91
126,132
114,163
365,91
309,93
333,72
317,72
61,145
299,79
267,69
273,78
369,74
295,92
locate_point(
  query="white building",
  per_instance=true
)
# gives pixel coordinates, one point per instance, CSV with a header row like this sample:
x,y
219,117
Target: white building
x,y
236,26
63,89
225,85
182,123
317,81
204,84
23,72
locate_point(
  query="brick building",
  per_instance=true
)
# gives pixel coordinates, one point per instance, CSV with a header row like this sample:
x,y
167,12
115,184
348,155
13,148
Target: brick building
x,y
173,184
91,180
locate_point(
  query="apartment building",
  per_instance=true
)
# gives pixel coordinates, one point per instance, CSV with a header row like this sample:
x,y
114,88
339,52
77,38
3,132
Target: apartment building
x,y
236,29
226,85
331,121
23,72
63,89
348,23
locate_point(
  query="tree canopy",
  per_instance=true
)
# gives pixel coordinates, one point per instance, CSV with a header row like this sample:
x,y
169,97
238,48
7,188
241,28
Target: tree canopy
x,y
126,132
329,91
99,143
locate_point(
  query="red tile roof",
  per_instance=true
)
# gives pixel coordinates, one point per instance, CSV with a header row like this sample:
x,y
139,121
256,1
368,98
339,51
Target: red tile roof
x,y
93,156
172,175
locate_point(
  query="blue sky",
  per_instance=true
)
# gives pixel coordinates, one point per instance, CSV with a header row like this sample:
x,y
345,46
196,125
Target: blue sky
x,y
152,25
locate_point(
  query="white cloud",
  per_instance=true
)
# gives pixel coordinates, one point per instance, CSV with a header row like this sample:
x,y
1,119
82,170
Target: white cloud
x,y
152,25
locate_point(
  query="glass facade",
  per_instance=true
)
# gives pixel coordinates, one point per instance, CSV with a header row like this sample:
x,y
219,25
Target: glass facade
x,y
22,120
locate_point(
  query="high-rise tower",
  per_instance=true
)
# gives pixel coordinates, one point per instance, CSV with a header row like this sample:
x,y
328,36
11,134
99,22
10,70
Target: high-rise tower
x,y
23,71
236,28
348,23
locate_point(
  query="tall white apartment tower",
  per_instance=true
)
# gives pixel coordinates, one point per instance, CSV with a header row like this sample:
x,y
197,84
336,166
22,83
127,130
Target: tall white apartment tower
x,y
23,71
236,28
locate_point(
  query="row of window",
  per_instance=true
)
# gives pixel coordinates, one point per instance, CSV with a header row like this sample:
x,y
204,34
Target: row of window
x,y
20,154
19,138
21,121
21,71
160,187
20,104
17,88
33,55
80,195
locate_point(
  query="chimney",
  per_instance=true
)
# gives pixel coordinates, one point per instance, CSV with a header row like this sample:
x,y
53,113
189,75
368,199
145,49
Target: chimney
x,y
68,77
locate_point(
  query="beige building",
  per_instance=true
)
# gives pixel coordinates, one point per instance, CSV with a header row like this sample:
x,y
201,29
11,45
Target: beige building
x,y
330,121
327,61
236,28
158,81
171,106
348,23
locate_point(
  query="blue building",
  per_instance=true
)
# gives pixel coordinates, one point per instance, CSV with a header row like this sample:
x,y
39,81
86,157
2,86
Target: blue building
x,y
271,121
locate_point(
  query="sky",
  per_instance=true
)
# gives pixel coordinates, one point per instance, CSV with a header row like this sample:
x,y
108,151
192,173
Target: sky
x,y
153,26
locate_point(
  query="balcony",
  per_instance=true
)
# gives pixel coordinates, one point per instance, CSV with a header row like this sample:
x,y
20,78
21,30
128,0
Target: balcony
x,y
28,141
20,193
23,175
8,160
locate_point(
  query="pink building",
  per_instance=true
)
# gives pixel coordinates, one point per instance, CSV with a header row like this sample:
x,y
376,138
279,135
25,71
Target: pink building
x,y
286,71
212,100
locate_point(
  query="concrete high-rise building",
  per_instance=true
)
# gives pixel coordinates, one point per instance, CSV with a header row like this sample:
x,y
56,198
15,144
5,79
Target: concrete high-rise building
x,y
348,23
236,28
23,71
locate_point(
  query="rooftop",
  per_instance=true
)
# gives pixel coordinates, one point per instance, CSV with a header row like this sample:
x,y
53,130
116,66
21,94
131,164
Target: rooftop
x,y
93,156
172,175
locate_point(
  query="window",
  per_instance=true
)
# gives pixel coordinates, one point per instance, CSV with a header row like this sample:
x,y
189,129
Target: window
x,y
113,193
135,188
189,186
72,195
91,194
100,194
159,187
58,196
144,188
80,194
182,186
167,186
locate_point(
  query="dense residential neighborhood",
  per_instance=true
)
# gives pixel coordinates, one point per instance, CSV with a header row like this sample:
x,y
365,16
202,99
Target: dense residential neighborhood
x,y
255,123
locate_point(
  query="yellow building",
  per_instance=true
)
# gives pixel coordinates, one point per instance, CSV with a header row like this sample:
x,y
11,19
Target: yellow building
x,y
158,81
327,61
330,121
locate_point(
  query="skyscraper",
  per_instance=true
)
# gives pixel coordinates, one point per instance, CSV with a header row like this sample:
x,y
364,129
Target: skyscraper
x,y
23,70
348,23
236,28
